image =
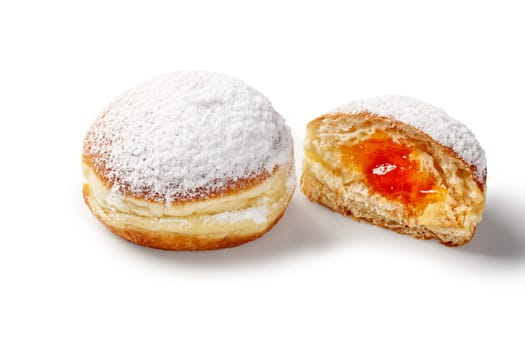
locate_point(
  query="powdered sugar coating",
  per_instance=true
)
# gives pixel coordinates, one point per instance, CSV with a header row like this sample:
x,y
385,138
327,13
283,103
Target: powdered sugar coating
x,y
187,134
433,121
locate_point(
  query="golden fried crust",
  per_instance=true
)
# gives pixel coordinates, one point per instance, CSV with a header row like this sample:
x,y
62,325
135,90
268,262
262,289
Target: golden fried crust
x,y
174,240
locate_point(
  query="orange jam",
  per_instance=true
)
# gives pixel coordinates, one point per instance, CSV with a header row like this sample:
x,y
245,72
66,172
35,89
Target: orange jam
x,y
392,170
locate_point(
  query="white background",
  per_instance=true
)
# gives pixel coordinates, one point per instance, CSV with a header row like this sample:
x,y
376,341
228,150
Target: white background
x,y
317,280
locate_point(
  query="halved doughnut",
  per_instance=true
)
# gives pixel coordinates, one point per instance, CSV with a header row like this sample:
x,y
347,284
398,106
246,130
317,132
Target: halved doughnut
x,y
398,163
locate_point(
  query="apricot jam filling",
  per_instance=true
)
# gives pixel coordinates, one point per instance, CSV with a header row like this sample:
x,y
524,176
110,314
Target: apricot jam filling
x,y
393,170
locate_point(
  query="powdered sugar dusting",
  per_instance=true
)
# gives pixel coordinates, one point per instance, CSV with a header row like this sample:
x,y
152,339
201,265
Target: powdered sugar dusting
x,y
187,134
432,120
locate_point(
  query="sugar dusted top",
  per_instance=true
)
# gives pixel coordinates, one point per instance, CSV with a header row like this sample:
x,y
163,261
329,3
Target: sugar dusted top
x,y
187,135
433,121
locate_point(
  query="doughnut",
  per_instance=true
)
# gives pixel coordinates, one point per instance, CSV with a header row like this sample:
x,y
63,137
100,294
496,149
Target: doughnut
x,y
189,161
398,163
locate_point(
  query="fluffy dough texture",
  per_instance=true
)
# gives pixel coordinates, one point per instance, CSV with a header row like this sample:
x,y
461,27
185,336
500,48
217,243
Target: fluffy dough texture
x,y
330,178
189,161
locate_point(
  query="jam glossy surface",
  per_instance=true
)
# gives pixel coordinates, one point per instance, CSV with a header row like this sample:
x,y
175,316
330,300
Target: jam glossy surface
x,y
392,170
